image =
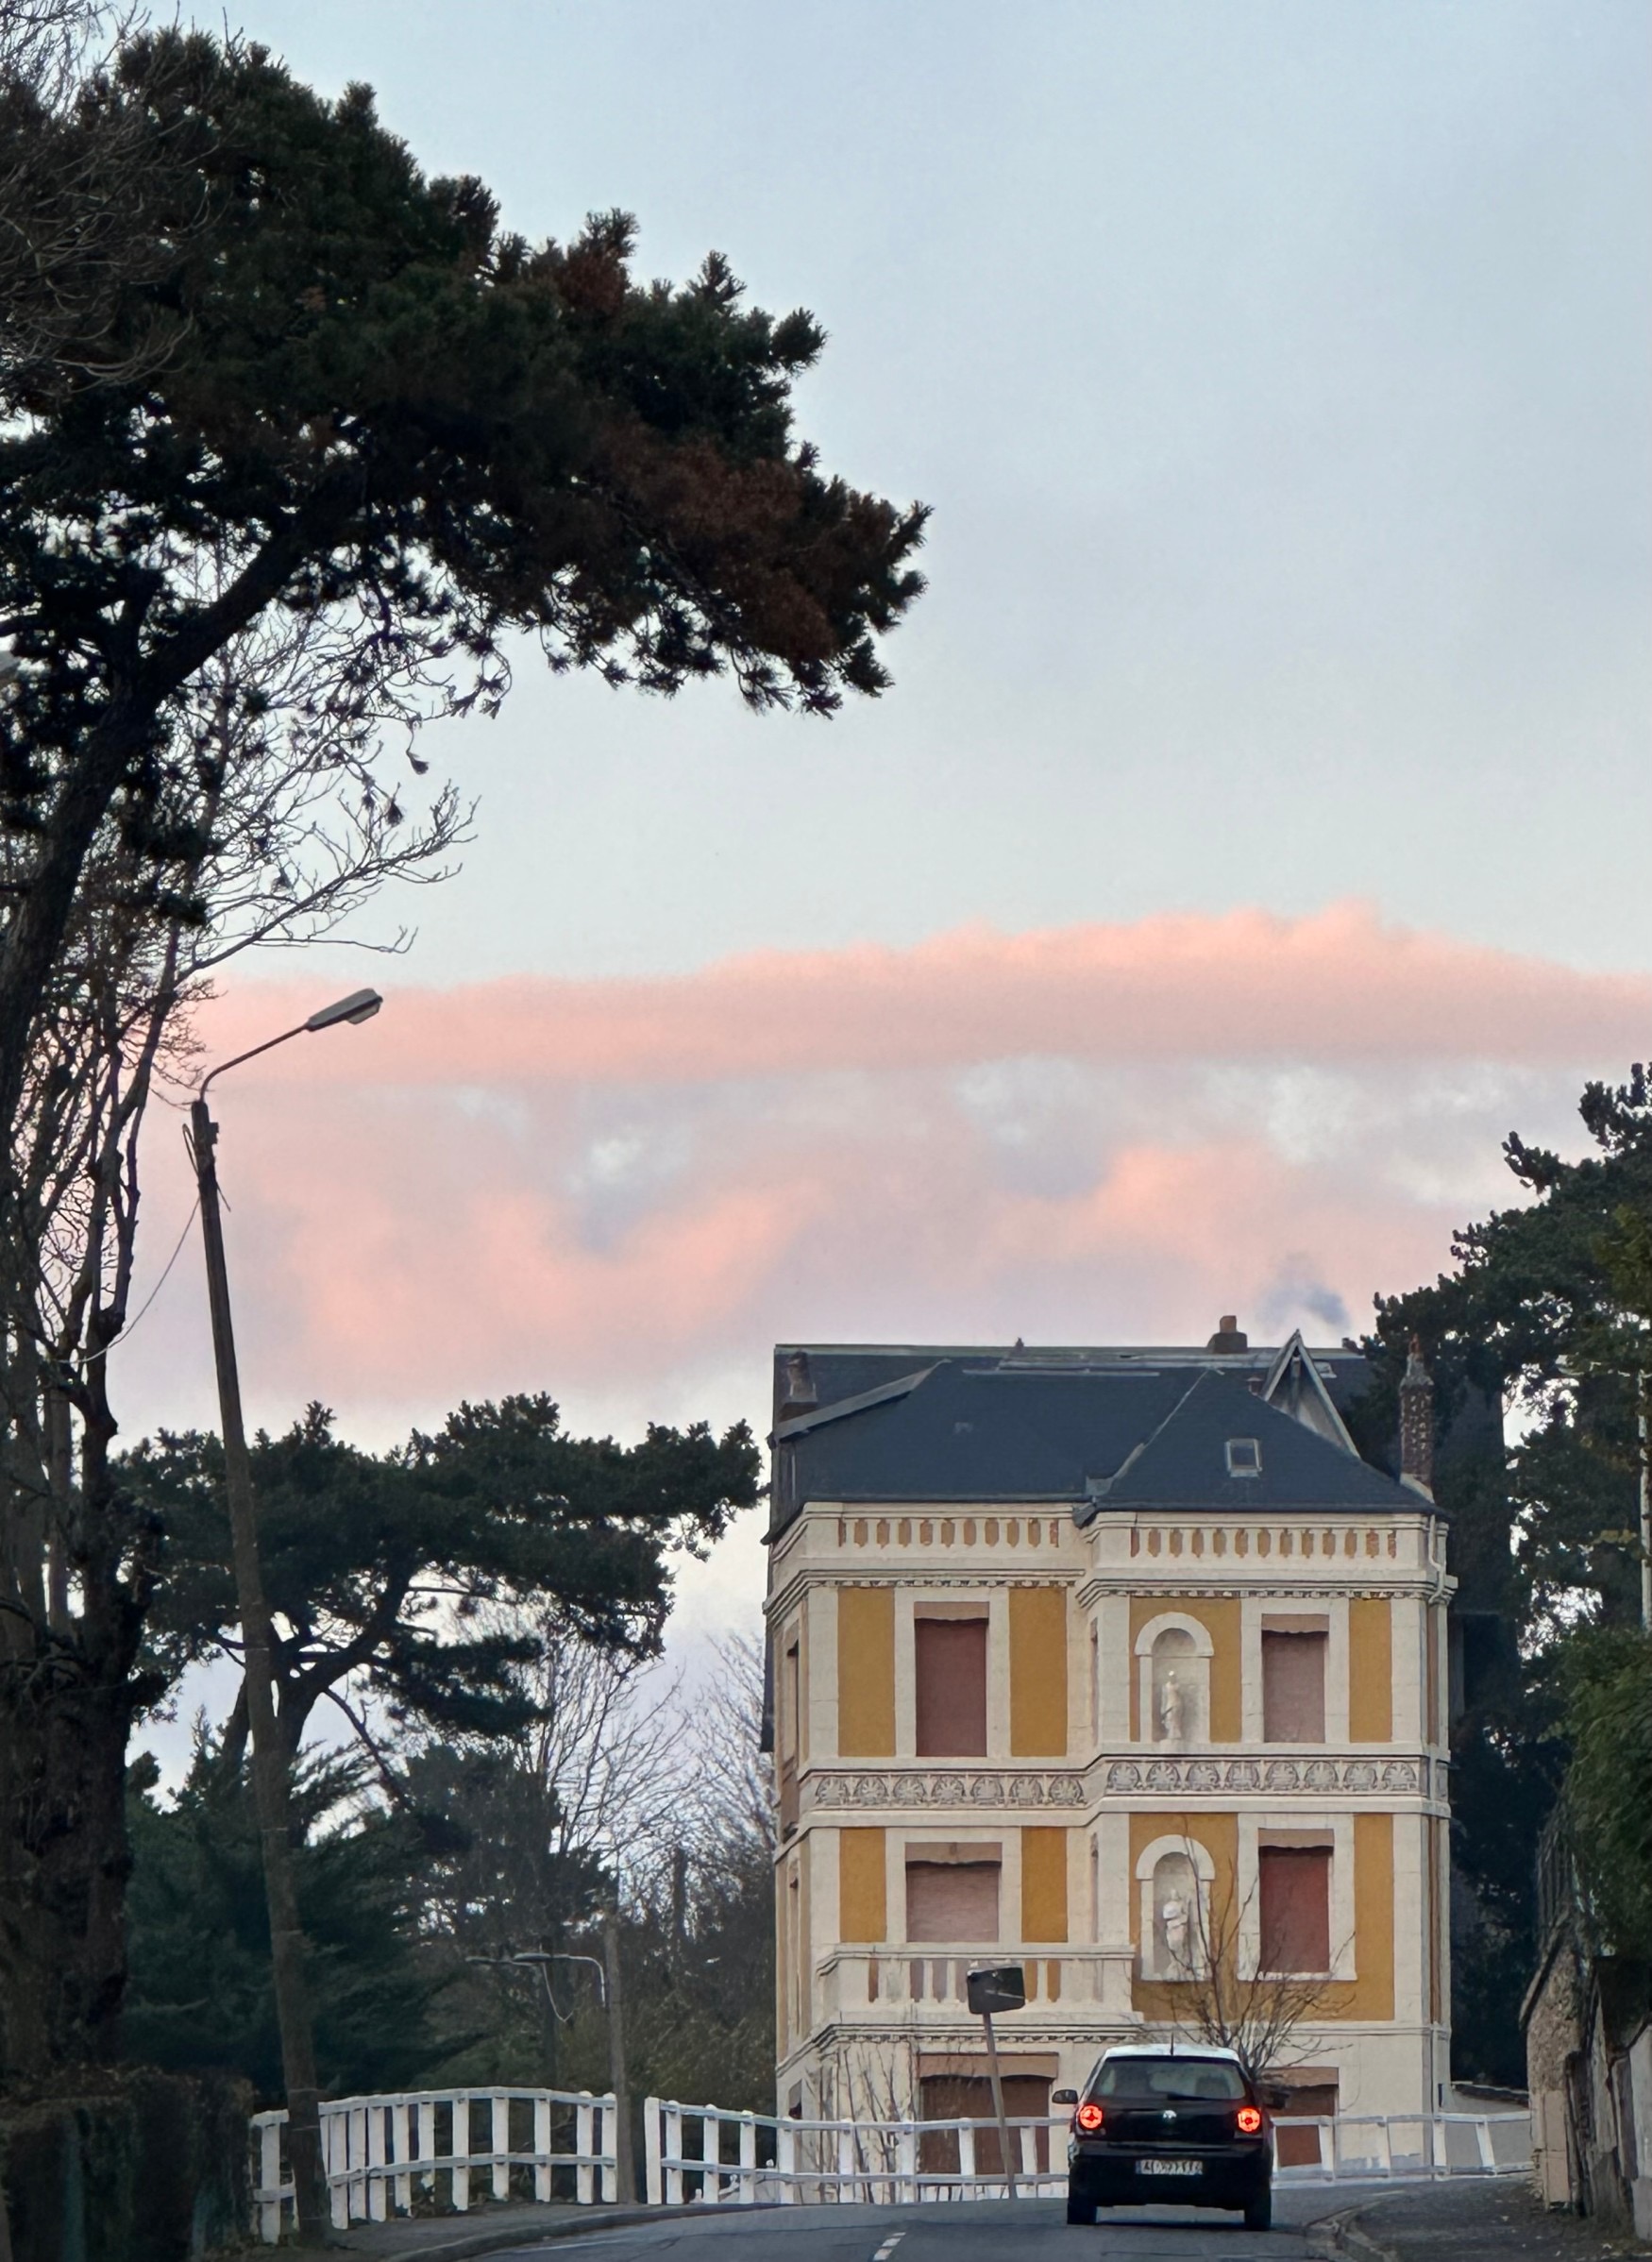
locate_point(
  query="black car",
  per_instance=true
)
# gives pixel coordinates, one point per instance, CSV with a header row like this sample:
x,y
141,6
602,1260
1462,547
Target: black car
x,y
1161,2125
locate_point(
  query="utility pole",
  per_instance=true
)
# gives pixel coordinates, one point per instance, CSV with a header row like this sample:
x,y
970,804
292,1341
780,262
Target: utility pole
x,y
1646,1516
271,1781
624,2172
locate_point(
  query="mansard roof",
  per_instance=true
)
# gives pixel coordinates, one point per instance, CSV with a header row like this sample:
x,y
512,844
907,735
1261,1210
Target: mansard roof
x,y
1105,1430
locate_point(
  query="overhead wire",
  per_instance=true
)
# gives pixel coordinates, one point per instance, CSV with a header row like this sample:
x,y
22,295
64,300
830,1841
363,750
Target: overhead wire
x,y
125,1332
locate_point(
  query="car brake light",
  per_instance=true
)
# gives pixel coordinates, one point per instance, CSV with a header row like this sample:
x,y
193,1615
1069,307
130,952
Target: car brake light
x,y
1249,2120
1089,2117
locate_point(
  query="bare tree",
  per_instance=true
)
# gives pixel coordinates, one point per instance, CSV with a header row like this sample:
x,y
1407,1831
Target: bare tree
x,y
733,1798
83,185
1225,1997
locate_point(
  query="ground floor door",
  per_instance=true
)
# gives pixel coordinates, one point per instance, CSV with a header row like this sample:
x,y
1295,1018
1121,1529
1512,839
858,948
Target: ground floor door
x,y
969,2097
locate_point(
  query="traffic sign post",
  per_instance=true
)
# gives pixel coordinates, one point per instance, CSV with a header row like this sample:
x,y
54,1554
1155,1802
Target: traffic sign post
x,y
997,1987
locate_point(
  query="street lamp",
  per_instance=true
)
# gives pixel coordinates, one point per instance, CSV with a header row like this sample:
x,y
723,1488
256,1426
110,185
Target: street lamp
x,y
544,1957
270,1783
607,1972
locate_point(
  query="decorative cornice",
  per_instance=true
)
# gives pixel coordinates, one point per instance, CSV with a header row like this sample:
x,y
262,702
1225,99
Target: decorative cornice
x,y
1363,1778
970,1787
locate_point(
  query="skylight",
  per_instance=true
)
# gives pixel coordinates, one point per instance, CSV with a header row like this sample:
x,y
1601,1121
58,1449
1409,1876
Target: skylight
x,y
1244,1456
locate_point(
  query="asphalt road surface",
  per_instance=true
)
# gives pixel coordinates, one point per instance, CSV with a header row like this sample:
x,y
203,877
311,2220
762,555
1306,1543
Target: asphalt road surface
x,y
983,2231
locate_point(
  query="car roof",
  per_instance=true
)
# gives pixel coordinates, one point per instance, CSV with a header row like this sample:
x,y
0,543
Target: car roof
x,y
1171,2050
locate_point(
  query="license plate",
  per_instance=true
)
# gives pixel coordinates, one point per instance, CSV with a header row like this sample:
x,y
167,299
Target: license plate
x,y
1170,2168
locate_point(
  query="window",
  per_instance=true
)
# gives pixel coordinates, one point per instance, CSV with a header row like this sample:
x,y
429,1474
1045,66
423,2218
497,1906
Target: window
x,y
953,1899
1294,1685
950,1662
1294,1891
969,2097
1183,2075
791,1702
1244,1456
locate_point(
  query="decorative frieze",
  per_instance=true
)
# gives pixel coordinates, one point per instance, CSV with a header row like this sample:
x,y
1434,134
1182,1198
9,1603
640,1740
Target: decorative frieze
x,y
1001,1788
949,1533
1345,1543
1367,1777
949,1787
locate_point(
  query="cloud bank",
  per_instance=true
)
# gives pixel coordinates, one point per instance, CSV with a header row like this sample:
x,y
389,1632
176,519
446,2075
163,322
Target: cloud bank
x,y
623,1191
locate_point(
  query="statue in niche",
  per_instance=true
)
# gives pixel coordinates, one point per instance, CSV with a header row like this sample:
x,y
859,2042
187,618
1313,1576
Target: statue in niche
x,y
1173,1916
1172,1708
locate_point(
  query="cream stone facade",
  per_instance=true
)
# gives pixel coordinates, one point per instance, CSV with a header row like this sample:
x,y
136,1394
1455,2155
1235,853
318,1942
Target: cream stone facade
x,y
1203,1653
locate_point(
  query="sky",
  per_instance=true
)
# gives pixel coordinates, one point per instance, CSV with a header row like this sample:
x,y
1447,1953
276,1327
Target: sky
x,y
1256,831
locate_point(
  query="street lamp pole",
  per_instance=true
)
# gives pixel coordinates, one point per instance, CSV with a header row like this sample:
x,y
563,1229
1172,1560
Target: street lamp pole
x,y
1641,1378
271,1781
624,2172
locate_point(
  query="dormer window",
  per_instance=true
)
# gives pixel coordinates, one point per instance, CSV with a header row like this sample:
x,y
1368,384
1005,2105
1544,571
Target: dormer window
x,y
1244,1456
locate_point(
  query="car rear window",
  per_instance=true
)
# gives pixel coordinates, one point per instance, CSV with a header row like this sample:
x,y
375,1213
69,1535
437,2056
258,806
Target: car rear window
x,y
1212,2078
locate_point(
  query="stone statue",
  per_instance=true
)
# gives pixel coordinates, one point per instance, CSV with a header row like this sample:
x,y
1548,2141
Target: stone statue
x,y
1175,1917
1172,1708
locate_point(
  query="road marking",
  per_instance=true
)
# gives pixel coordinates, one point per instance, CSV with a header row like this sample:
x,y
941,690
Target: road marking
x,y
888,2247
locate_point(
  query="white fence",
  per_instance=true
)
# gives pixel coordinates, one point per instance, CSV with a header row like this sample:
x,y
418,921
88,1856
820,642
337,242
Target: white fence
x,y
746,2157
380,2151
385,2155
697,2153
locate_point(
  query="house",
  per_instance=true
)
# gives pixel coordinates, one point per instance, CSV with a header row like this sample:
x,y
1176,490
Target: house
x,y
1588,2022
1116,1663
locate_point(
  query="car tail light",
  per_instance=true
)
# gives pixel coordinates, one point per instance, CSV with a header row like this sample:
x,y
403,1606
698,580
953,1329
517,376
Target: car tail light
x,y
1089,2117
1248,2120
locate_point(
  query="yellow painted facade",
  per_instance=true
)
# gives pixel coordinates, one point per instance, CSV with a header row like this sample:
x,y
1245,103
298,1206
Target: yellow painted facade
x,y
1037,1672
1371,1669
1043,1885
865,1672
862,1890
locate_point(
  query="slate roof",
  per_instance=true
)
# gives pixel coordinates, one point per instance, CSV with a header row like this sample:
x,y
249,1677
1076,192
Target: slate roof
x,y
1104,1431
1186,1463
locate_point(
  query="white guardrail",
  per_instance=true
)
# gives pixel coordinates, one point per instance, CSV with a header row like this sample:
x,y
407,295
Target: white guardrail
x,y
389,2155
380,2151
698,2153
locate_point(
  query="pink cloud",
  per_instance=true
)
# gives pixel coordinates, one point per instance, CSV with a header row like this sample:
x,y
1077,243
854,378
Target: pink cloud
x,y
623,1191
1338,984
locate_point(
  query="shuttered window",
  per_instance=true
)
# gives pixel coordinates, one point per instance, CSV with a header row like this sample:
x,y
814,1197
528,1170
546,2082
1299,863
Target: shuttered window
x,y
1294,1687
1295,1897
953,1901
951,1658
967,2096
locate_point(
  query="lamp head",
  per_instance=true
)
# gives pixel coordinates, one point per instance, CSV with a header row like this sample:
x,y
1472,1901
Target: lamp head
x,y
361,1006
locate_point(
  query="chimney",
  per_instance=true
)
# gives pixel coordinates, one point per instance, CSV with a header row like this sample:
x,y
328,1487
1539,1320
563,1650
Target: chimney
x,y
797,1393
1417,1423
1229,1337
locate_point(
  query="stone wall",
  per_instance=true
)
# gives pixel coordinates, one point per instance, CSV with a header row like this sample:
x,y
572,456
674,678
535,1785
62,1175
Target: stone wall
x,y
127,2165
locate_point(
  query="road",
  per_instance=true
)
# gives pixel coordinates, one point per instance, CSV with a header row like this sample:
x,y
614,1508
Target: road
x,y
983,2231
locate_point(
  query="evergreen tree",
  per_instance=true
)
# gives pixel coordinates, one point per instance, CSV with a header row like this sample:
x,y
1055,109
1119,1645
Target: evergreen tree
x,y
383,1570
1547,1311
282,376
201,1994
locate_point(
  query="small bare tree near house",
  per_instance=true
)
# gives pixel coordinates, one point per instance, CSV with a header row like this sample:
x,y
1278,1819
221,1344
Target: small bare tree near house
x,y
1226,1998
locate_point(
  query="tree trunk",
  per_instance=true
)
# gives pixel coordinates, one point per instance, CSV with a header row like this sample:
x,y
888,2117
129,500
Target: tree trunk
x,y
67,1700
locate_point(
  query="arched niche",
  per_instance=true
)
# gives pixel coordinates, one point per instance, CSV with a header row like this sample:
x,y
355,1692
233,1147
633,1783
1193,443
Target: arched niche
x,y
1174,1878
1173,1663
